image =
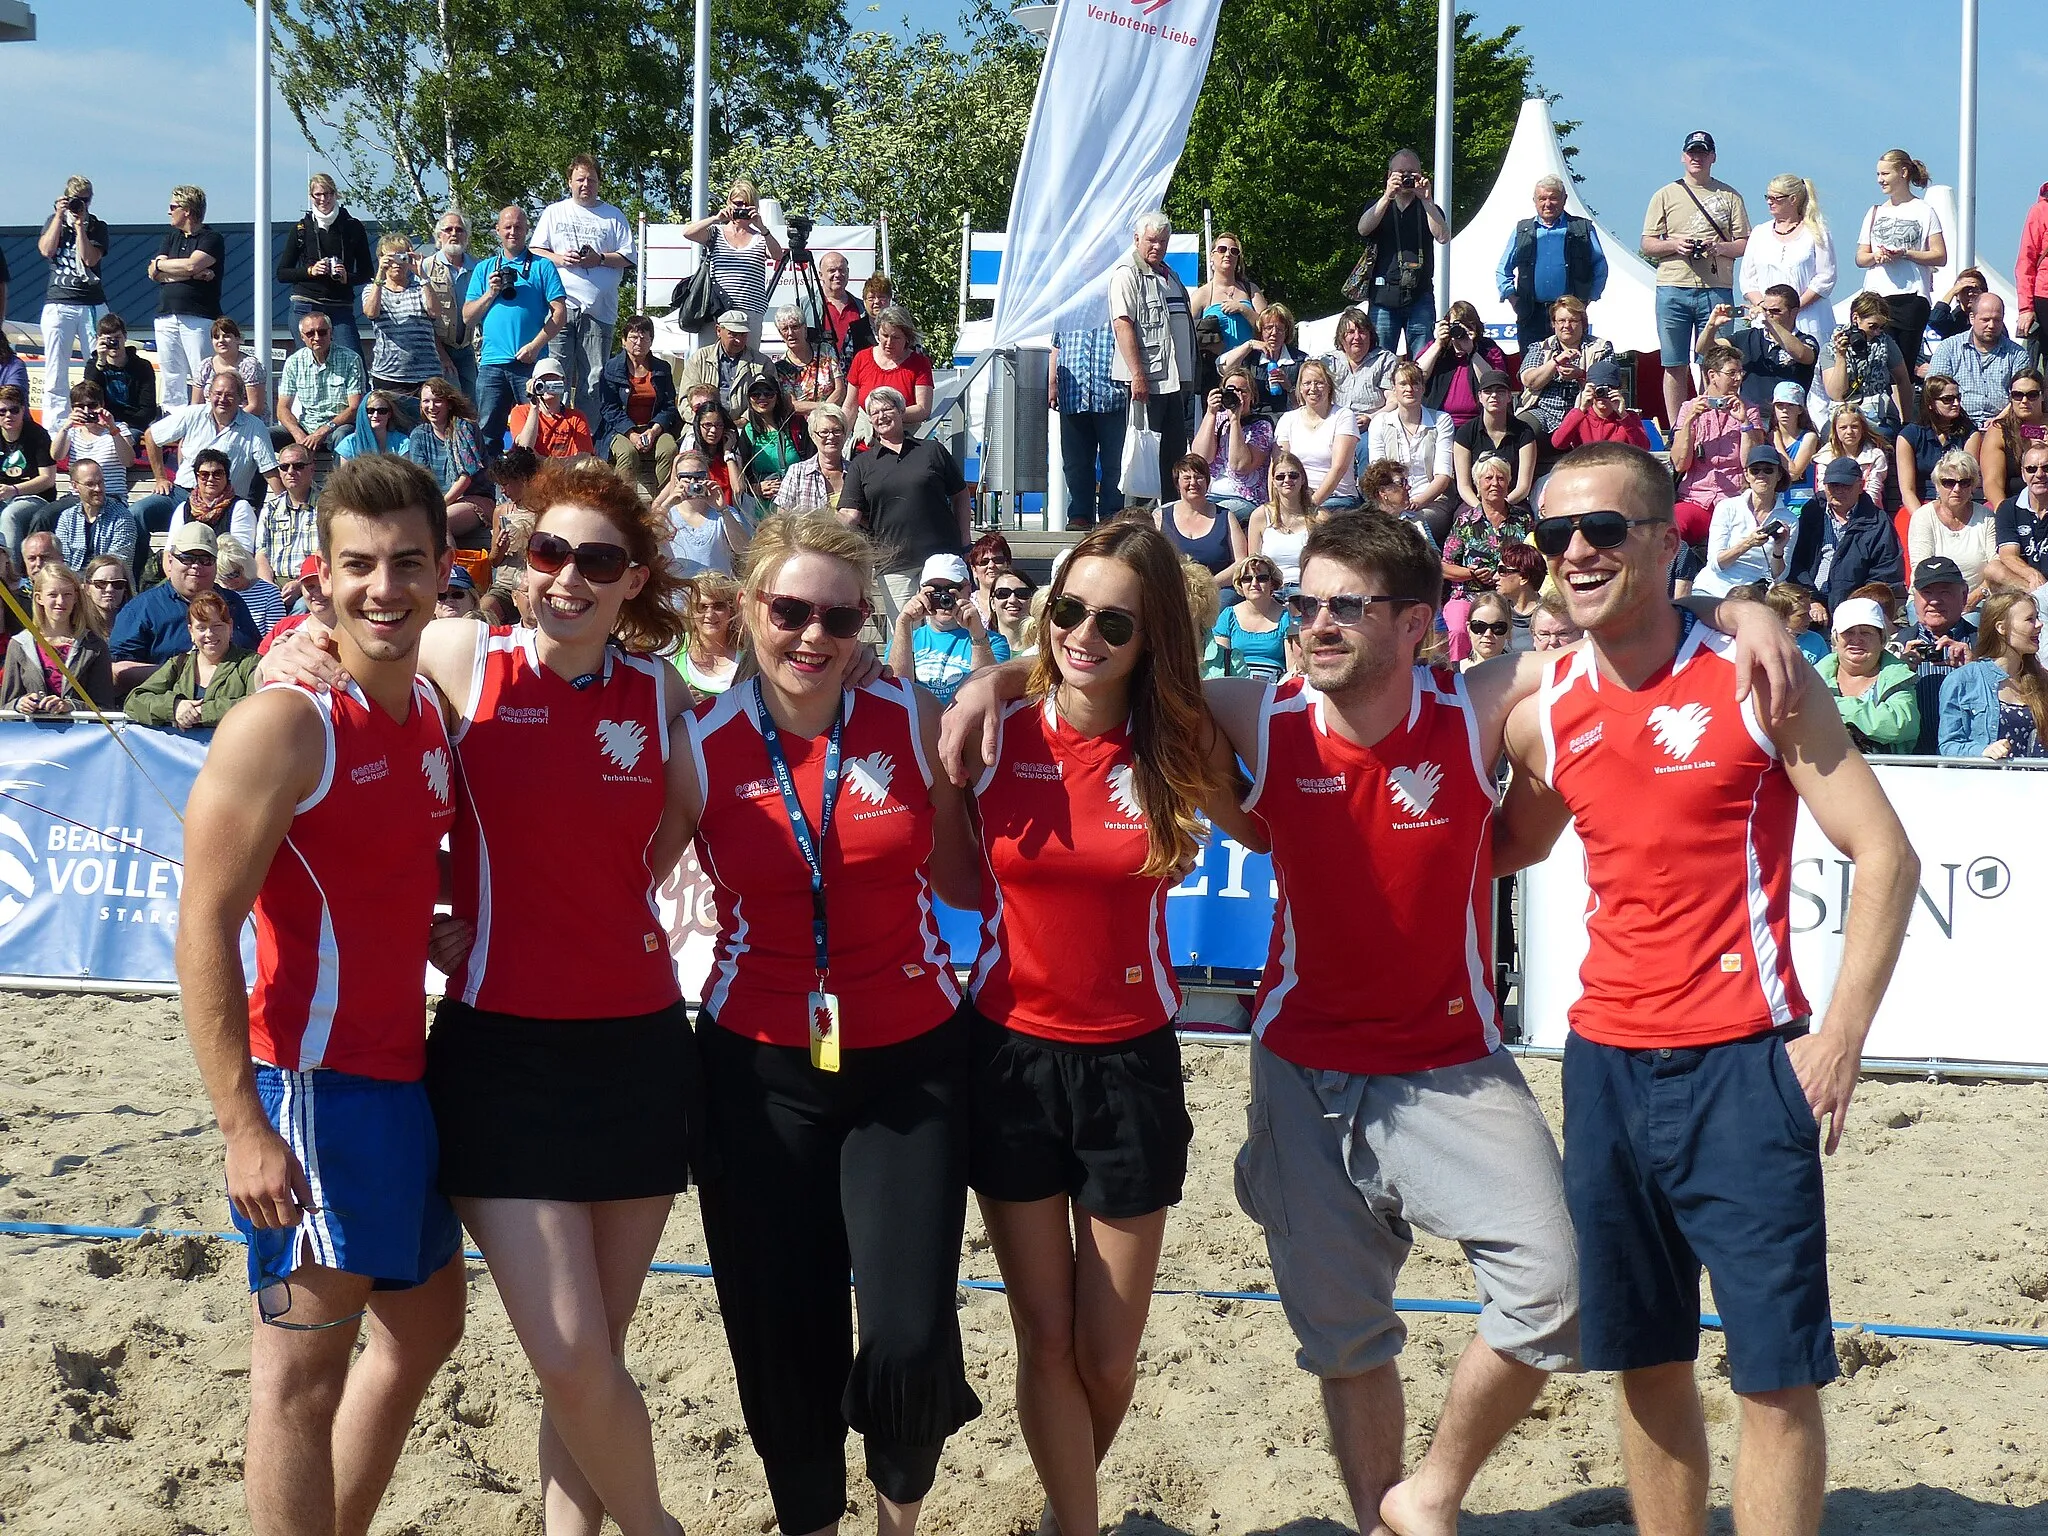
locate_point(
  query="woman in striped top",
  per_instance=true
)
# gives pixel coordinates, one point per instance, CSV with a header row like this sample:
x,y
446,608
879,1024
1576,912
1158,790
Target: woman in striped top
x,y
90,432
403,311
740,250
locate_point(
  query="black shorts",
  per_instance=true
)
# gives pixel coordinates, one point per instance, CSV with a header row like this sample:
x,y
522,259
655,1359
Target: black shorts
x,y
563,1109
1106,1125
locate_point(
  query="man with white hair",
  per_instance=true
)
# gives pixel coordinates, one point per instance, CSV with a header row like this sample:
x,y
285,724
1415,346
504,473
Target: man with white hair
x,y
1155,337
1554,254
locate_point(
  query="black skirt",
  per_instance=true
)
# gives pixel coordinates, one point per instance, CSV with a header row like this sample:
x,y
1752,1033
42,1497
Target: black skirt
x,y
564,1109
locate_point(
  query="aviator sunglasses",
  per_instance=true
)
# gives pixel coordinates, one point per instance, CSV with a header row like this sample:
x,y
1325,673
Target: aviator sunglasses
x,y
1601,530
1115,626
793,615
601,563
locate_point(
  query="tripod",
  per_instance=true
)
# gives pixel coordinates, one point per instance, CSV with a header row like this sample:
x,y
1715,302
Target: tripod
x,y
798,261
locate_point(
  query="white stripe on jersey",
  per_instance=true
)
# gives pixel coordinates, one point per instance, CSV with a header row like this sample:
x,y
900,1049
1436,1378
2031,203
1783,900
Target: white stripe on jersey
x,y
1757,900
1288,975
326,995
1476,970
1161,962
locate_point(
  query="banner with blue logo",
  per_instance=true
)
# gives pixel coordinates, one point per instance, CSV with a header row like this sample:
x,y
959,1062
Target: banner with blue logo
x,y
91,850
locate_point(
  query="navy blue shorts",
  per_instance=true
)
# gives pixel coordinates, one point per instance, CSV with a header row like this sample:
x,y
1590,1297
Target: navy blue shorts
x,y
1674,1159
372,1161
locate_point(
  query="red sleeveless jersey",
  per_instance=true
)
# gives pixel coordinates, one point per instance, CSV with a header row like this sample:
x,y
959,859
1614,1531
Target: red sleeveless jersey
x,y
889,968
1686,815
1073,938
562,788
1382,952
342,918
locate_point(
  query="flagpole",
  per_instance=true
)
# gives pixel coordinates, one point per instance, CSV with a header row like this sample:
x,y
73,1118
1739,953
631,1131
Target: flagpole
x,y
1966,156
1446,40
259,249
700,115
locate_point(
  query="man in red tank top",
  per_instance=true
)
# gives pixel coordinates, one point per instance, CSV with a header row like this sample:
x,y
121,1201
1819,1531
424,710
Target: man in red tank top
x,y
1693,1093
325,815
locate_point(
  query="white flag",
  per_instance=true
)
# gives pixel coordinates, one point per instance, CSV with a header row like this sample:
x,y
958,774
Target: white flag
x,y
1111,118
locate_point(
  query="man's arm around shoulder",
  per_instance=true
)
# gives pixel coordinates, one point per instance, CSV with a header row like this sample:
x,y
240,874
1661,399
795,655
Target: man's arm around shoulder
x,y
1531,813
265,758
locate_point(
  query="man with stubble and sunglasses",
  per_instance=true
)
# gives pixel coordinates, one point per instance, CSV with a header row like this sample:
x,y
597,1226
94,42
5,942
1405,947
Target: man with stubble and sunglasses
x,y
1695,1090
1382,1098
323,811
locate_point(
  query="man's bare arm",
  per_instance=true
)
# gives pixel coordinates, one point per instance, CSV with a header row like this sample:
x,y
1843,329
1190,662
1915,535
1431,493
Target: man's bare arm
x,y
1531,814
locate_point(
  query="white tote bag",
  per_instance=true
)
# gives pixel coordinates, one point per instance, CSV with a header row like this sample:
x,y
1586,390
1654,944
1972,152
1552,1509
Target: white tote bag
x,y
1141,457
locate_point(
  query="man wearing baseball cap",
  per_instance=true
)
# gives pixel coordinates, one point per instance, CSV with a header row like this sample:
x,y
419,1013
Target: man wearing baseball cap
x,y
1843,540
457,599
1694,229
152,628
1938,639
547,423
940,638
729,364
1602,414
317,606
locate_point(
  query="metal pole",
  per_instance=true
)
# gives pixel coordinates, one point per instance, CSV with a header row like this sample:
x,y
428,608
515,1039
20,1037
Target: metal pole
x,y
1209,242
259,248
1966,156
1446,39
700,116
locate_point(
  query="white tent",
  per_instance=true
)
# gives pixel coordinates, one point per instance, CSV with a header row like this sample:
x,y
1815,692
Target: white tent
x,y
1625,314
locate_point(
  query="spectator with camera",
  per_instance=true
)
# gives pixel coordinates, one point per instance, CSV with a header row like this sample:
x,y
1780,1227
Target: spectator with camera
x,y
187,269
1093,410
445,269
741,250
126,380
1937,641
1237,440
939,637
219,422
1711,441
1997,706
1747,539
1150,313
1454,361
1231,294
326,258
1403,224
1982,359
591,245
88,436
403,312
545,421
1548,257
731,363
1694,229
1773,352
1600,414
517,303
1863,367
1554,370
74,242
1842,539
637,414
319,390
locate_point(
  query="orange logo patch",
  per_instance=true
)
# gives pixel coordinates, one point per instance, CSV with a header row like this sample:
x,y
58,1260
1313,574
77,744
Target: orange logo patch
x,y
1132,975
1731,964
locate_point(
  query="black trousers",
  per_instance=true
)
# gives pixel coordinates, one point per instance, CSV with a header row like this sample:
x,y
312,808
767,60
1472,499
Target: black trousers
x,y
1908,324
811,1172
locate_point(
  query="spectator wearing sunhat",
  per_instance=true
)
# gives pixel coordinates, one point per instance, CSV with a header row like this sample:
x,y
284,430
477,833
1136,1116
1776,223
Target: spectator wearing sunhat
x,y
1748,537
1843,540
546,422
152,628
728,364
1601,414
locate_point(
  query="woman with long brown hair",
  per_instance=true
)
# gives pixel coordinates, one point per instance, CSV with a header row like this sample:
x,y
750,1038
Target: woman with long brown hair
x,y
1089,814
566,1095
1997,706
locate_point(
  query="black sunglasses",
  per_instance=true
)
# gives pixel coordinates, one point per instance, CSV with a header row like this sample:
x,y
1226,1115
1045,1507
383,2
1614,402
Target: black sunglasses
x,y
1347,609
1950,482
2025,394
1114,625
1481,627
1010,594
601,563
793,615
1602,530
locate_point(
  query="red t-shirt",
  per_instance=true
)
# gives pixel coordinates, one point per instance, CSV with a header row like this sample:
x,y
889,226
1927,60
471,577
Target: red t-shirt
x,y
1382,950
866,373
1686,814
564,930
1073,938
342,917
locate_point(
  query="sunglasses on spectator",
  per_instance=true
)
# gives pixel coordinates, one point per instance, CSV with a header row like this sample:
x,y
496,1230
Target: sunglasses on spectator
x,y
1347,609
793,615
378,410
1602,530
193,557
1259,578
288,465
2034,469
601,563
10,410
1010,594
317,330
1943,399
1114,625
1951,482
1481,627
2026,394
1286,477
100,585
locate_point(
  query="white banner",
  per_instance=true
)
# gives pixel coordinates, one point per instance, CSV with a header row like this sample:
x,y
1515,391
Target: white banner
x,y
1958,994
1111,117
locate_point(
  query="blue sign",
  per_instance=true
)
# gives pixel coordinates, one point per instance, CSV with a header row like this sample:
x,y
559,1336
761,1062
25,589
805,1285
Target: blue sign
x,y
92,850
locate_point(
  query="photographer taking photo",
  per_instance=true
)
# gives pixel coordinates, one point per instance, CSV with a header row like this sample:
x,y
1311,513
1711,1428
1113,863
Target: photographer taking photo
x,y
547,423
517,302
74,243
1402,222
741,249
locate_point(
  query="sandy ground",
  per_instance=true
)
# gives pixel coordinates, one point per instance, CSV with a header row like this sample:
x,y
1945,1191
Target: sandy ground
x,y
123,1385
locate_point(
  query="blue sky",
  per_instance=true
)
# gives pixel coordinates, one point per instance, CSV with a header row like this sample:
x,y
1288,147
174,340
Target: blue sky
x,y
169,99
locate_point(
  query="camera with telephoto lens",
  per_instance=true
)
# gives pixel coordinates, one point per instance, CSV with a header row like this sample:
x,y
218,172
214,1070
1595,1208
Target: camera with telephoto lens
x,y
1700,250
1456,330
74,205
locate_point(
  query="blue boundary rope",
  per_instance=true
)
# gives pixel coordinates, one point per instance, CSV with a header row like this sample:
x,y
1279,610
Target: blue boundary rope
x,y
1401,1304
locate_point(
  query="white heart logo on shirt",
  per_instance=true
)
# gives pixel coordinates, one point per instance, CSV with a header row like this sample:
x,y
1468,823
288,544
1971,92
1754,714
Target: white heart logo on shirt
x,y
1123,792
870,777
1414,789
622,741
1678,731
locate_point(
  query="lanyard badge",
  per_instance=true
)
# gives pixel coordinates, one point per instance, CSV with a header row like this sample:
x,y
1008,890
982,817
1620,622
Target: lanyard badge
x,y
822,1007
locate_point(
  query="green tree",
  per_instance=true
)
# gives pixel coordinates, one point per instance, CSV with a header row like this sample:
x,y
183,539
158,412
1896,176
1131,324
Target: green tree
x,y
1305,102
487,99
920,132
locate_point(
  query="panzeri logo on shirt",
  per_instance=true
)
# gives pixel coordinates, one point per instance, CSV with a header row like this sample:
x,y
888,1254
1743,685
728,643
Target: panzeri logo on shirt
x,y
1047,771
868,779
434,765
1679,731
517,715
622,741
1123,794
754,789
1585,739
1414,792
370,773
1333,785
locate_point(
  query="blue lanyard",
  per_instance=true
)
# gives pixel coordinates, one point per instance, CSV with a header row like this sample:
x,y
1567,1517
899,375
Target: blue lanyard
x,y
809,845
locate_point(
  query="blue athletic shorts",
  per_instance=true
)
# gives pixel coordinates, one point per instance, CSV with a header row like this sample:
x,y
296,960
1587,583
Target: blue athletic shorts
x,y
1678,1158
372,1160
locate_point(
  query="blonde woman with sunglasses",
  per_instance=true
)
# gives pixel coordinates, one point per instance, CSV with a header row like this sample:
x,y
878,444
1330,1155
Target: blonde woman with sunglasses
x,y
1251,634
